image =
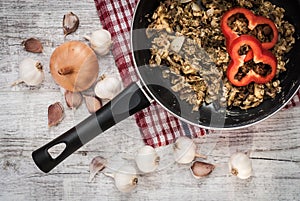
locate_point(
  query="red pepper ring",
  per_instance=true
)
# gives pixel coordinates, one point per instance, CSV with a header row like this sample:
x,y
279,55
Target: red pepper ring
x,y
229,34
254,21
260,56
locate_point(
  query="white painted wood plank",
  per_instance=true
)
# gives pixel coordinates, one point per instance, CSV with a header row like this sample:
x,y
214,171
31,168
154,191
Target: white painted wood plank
x,y
273,144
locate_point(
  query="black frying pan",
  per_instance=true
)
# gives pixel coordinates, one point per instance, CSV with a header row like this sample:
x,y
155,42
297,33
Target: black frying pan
x,y
153,86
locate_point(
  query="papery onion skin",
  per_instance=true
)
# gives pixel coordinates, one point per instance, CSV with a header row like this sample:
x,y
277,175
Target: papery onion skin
x,y
74,66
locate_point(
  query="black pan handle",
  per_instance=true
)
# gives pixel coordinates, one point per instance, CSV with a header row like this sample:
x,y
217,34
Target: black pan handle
x,y
131,100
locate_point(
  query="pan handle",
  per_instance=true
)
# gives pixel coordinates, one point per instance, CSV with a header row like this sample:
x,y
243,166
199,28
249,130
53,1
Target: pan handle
x,y
131,100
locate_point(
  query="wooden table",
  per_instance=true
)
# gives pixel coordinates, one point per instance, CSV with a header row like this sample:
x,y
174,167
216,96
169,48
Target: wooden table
x,y
273,144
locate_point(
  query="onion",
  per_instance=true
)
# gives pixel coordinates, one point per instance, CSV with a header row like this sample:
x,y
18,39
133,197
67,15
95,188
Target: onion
x,y
74,66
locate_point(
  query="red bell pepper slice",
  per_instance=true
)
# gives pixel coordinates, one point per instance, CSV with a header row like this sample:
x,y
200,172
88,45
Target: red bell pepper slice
x,y
254,21
260,55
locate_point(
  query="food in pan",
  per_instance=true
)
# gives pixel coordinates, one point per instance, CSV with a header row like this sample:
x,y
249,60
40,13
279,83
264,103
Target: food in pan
x,y
211,63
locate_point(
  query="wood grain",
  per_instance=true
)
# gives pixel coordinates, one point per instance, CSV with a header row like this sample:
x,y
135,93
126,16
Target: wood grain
x,y
273,145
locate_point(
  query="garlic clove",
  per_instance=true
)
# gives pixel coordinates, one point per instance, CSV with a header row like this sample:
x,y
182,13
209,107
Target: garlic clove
x,y
185,1
70,23
195,7
92,103
108,87
240,165
177,43
100,41
97,164
55,114
184,150
30,72
147,159
201,169
33,45
73,99
210,12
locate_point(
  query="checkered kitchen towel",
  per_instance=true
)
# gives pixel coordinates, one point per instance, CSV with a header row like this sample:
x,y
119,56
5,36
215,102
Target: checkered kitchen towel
x,y
157,126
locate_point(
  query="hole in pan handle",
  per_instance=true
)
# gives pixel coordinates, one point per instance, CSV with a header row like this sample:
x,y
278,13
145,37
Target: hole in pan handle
x,y
131,100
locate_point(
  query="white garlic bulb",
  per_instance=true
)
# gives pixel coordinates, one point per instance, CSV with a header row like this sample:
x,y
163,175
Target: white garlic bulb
x,y
147,159
100,41
184,150
125,178
240,165
108,87
31,72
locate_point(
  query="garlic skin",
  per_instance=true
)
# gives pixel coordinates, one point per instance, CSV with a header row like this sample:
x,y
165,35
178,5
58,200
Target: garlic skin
x,y
184,150
240,165
100,41
108,87
125,178
31,72
147,159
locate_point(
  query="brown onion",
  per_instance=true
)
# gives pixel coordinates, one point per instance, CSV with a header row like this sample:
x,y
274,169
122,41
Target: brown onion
x,y
74,66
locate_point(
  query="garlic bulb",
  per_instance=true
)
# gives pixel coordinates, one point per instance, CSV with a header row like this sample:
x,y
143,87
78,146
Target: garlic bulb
x,y
240,165
184,150
125,178
108,87
100,41
147,159
31,72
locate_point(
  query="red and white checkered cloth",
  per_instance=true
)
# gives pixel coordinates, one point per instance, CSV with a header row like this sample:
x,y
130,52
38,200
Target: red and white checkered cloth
x,y
157,126
295,101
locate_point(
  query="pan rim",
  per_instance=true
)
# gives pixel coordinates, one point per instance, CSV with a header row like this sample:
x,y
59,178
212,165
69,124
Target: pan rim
x,y
246,125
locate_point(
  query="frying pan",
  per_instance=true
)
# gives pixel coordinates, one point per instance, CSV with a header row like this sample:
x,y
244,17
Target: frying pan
x,y
154,87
